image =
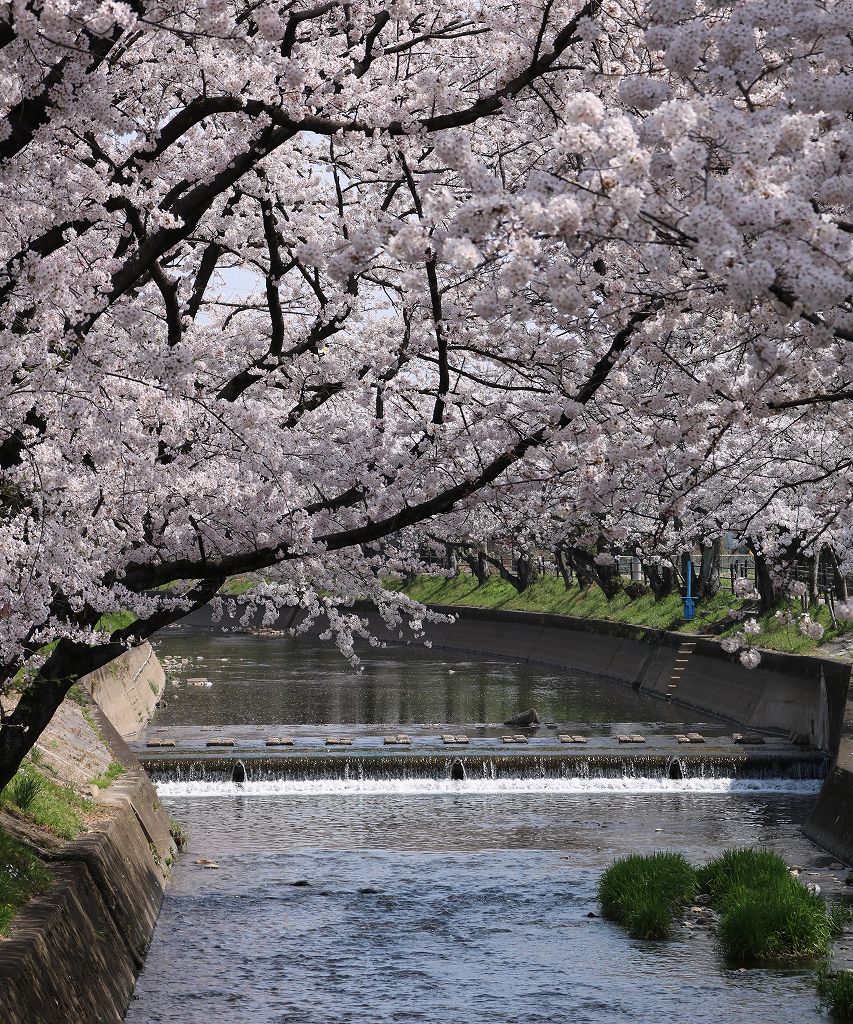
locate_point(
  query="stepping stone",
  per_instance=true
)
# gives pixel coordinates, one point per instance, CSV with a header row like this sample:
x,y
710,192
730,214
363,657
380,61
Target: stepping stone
x,y
399,741
220,741
198,681
448,738
696,737
748,739
571,738
338,741
634,737
160,743
279,741
514,739
682,737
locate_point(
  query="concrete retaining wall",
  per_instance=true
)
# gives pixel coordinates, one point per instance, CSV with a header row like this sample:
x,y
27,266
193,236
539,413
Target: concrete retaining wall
x,y
127,689
786,693
74,953
831,821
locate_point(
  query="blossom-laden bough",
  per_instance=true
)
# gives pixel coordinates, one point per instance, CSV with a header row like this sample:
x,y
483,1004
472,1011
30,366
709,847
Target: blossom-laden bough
x,y
281,280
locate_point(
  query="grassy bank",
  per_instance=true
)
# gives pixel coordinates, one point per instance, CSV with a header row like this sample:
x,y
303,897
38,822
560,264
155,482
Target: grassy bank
x,y
22,876
548,594
46,803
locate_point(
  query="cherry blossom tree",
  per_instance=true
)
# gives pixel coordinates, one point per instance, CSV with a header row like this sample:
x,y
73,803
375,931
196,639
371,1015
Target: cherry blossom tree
x,y
282,279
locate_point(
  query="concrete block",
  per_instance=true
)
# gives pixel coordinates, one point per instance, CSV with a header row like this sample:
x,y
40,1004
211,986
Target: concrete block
x,y
696,737
221,741
565,737
338,741
157,742
279,741
448,738
750,739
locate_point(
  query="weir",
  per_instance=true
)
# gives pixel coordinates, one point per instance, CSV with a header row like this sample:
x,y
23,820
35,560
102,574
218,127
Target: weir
x,y
562,765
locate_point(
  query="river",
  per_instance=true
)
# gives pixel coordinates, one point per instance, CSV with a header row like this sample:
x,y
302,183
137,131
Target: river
x,y
363,901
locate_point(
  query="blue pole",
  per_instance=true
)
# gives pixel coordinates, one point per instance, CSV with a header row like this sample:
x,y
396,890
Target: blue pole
x,y
689,605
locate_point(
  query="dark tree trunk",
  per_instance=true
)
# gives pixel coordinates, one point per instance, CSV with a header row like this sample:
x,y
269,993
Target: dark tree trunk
x,y
526,568
450,561
768,591
663,579
708,583
68,662
506,574
564,568
812,573
476,562
589,571
839,581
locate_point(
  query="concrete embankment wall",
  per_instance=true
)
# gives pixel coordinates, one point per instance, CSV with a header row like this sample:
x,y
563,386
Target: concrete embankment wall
x,y
786,693
128,688
831,821
74,953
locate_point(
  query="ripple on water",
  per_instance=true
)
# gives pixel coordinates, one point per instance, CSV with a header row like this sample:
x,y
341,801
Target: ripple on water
x,y
479,913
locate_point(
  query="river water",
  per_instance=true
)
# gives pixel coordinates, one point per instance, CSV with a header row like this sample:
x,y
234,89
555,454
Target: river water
x,y
406,900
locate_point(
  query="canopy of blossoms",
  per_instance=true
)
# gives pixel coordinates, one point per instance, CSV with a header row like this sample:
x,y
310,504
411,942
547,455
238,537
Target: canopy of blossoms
x,y
280,280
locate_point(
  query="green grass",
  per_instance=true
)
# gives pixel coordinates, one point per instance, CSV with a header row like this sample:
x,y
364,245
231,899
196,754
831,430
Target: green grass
x,y
765,913
22,876
106,779
781,920
234,586
645,892
57,809
24,789
835,989
548,594
109,622
740,869
777,636
178,833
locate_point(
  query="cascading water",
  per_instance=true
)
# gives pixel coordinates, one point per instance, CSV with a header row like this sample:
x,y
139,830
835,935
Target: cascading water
x,y
487,767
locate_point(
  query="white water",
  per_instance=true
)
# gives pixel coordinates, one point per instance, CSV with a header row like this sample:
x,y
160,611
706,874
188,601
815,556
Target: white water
x,y
438,787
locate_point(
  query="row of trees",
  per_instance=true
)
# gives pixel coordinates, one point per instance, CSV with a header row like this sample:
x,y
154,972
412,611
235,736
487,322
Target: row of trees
x,y
280,279
812,577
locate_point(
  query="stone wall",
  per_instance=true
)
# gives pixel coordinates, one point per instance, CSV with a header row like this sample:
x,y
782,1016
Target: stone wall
x,y
74,953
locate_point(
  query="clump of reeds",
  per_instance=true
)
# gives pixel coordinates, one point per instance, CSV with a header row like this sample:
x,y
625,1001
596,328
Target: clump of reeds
x,y
645,892
835,989
765,913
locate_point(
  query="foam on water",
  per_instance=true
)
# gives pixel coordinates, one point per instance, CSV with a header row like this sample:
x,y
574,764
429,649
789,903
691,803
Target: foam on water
x,y
438,787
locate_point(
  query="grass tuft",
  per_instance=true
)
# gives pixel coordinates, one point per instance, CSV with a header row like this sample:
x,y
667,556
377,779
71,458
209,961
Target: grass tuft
x,y
739,869
765,914
835,989
24,788
106,779
179,834
645,892
48,804
781,920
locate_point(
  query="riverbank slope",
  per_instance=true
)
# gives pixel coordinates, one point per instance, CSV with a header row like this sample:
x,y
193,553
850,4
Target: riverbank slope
x,y
72,953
